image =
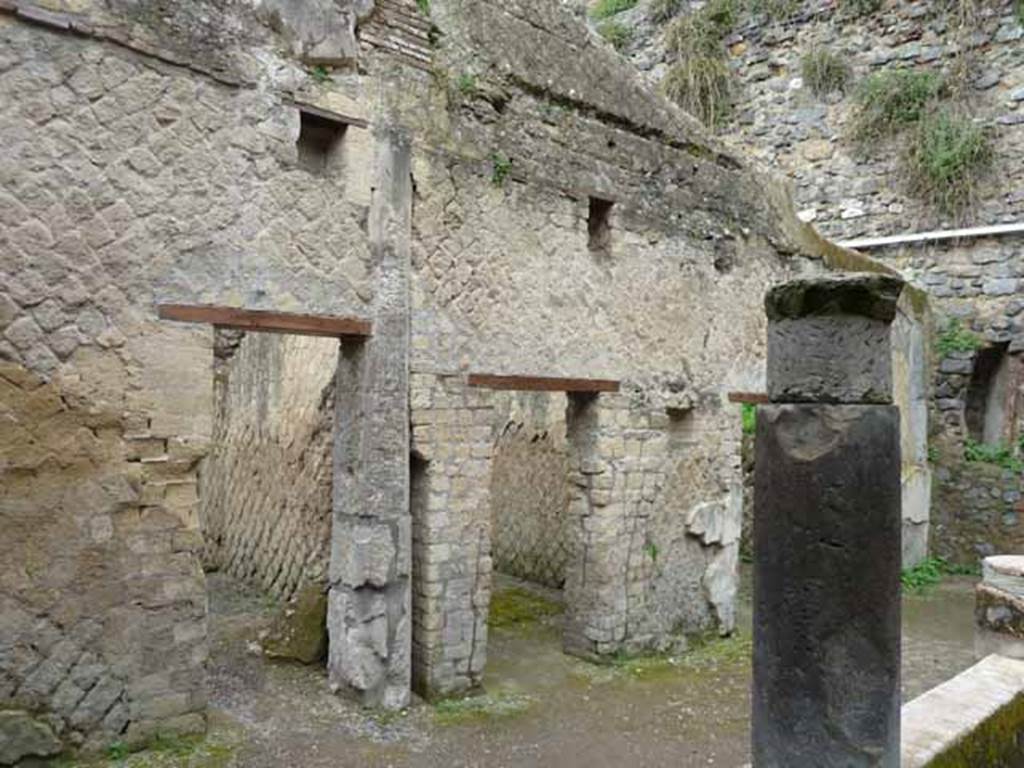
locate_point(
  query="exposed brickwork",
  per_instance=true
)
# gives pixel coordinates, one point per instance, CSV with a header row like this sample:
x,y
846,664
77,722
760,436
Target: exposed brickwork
x,y
266,484
452,440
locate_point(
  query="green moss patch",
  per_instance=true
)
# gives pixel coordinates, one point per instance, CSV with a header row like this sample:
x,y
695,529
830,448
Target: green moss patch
x,y
517,607
993,744
474,709
605,8
161,752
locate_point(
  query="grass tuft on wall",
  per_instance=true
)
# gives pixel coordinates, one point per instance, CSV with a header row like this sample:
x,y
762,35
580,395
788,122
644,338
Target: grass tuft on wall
x,y
893,99
604,9
824,72
948,154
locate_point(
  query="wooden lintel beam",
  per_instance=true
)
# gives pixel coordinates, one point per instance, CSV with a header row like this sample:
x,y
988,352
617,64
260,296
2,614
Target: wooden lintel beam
x,y
541,383
267,322
750,398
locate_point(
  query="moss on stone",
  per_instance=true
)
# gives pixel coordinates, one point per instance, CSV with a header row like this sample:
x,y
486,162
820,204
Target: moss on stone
x,y
299,632
994,744
485,707
517,607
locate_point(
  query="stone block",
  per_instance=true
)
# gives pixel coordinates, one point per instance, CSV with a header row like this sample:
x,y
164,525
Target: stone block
x,y
362,552
22,737
829,339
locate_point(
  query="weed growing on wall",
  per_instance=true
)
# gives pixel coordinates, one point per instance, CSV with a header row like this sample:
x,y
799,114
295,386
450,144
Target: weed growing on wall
x,y
466,83
998,454
424,6
320,74
501,166
956,338
748,414
893,99
616,33
606,8
703,86
947,155
1018,10
824,72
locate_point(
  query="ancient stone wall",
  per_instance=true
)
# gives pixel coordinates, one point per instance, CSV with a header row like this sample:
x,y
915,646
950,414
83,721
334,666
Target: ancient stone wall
x,y
530,489
127,181
265,486
850,191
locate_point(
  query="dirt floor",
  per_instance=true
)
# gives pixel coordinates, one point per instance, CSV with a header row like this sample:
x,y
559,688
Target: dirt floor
x,y
541,708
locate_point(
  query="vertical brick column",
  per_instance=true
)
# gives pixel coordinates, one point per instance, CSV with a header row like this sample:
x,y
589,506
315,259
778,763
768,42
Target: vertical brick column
x,y
827,529
369,620
596,587
452,443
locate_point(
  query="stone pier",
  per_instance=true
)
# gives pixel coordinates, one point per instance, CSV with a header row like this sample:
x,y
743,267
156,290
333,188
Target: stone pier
x,y
827,529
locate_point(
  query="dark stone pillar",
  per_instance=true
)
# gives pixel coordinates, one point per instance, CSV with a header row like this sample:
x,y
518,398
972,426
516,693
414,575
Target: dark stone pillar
x,y
827,530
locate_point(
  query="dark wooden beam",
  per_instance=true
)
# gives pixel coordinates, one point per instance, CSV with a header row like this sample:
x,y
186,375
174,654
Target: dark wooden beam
x,y
541,383
751,398
267,322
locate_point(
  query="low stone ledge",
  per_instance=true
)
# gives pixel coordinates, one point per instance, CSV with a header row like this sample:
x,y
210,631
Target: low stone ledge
x,y
973,719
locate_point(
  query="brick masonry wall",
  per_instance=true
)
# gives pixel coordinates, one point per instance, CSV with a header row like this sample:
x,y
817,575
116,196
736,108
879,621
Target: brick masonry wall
x,y
265,487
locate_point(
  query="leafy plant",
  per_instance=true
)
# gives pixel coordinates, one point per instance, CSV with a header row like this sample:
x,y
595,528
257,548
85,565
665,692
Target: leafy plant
x,y
993,453
1018,10
652,550
748,414
893,99
824,71
424,6
616,33
948,153
118,751
605,8
931,571
925,574
956,338
502,166
466,83
933,454
320,74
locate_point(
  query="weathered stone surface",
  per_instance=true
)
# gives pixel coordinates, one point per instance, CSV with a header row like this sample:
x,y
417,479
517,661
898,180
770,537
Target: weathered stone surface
x,y
299,631
321,31
827,592
23,736
973,719
830,340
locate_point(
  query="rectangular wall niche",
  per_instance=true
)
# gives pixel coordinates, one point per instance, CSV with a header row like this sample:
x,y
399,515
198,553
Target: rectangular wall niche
x,y
599,227
319,143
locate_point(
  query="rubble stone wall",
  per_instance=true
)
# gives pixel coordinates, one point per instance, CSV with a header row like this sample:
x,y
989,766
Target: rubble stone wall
x,y
849,191
265,486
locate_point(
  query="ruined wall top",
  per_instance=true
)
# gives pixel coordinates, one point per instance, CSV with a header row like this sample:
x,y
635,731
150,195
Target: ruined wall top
x,y
829,339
